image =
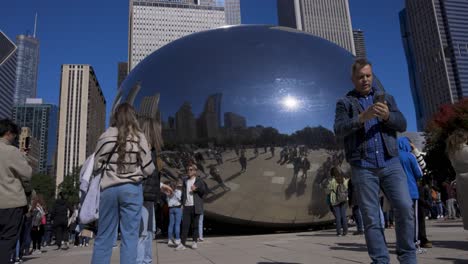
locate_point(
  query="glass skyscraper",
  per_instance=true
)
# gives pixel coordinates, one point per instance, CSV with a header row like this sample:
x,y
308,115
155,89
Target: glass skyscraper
x,y
42,120
435,38
26,69
7,78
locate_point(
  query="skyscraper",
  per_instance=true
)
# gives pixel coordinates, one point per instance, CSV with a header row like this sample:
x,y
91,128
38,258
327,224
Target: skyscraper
x,y
122,72
435,38
328,19
82,117
359,43
27,141
233,12
7,78
186,125
210,119
41,119
154,23
233,120
26,69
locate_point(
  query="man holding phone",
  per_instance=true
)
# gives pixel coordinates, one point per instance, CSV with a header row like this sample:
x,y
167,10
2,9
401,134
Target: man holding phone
x,y
368,119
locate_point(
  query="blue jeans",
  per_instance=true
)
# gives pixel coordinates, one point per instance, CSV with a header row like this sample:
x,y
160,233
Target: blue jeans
x,y
175,218
358,218
200,227
392,180
341,221
145,249
118,203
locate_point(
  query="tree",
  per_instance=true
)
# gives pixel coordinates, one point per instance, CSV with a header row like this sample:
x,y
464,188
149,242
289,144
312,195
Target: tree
x,y
44,185
70,187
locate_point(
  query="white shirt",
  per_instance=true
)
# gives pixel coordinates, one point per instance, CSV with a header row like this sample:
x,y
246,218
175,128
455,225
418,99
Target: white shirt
x,y
190,183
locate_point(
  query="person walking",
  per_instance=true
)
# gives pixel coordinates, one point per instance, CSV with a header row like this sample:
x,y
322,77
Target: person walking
x,y
60,213
338,188
38,222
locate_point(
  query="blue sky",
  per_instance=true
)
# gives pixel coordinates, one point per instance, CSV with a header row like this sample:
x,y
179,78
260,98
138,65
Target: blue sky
x,y
96,33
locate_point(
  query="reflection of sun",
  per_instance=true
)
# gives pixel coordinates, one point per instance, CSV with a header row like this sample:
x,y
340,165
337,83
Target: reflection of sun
x,y
290,103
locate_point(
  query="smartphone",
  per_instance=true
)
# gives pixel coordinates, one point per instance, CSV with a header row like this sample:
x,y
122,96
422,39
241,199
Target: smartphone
x,y
379,98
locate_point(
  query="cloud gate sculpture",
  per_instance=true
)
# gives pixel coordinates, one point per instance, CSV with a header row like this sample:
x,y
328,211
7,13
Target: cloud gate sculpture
x,y
254,106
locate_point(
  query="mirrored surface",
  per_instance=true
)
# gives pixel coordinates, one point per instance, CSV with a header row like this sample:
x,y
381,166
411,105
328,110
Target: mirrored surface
x,y
254,107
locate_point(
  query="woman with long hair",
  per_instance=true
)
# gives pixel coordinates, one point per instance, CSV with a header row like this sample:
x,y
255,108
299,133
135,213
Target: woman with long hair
x,y
151,191
121,200
38,215
338,188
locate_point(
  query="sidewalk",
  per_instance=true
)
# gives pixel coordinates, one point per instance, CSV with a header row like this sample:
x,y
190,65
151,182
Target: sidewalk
x,y
449,239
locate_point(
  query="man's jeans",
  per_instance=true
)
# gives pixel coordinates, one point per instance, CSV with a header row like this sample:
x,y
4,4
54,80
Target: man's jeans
x,y
451,208
175,218
118,203
392,180
200,227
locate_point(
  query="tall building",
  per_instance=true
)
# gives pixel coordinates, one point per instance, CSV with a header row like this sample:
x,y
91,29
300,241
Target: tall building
x,y
155,23
359,43
149,107
27,141
82,117
7,77
26,69
122,72
41,119
435,38
233,120
328,19
185,123
233,12
210,119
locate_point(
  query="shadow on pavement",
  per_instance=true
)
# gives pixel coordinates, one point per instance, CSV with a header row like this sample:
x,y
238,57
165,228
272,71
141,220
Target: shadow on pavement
x,y
460,245
455,261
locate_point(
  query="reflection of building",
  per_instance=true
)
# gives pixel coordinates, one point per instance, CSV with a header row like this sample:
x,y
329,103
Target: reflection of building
x,y
232,120
26,69
41,119
435,39
185,123
28,141
154,23
7,83
210,120
149,107
233,12
122,72
359,43
82,117
330,20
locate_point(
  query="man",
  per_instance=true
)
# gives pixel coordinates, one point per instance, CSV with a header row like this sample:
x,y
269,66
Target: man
x,y
192,200
369,130
15,177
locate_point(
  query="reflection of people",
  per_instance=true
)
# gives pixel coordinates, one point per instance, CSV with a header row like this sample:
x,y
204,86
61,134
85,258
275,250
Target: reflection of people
x,y
338,188
243,162
369,131
14,183
214,172
272,150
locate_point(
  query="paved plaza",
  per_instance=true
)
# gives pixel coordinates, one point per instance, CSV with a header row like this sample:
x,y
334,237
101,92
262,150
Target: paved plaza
x,y
450,246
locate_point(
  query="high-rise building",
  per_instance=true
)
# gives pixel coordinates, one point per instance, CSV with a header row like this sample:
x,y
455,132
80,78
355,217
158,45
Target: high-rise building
x,y
122,72
7,78
210,119
155,23
26,69
233,12
328,19
185,123
359,43
41,119
435,38
82,117
149,107
233,120
27,141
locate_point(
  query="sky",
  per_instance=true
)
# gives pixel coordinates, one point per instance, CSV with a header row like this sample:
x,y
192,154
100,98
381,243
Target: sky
x,y
96,33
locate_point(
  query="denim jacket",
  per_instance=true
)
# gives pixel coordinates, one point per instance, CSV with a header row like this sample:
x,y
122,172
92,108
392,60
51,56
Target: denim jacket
x,y
348,127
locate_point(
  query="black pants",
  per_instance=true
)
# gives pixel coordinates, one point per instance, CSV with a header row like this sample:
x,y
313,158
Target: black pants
x,y
10,224
61,233
422,224
37,232
189,217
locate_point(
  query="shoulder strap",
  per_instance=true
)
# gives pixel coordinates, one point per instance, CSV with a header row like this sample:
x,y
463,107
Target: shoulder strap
x,y
109,158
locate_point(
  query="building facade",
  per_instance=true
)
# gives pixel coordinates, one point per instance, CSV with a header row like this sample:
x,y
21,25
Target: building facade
x,y
8,80
82,117
28,142
27,68
359,43
233,12
233,120
122,72
328,19
435,38
41,119
185,124
155,23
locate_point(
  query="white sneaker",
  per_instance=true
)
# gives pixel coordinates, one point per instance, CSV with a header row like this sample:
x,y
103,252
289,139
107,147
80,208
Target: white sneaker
x,y
170,243
194,245
200,239
36,252
177,242
87,244
180,247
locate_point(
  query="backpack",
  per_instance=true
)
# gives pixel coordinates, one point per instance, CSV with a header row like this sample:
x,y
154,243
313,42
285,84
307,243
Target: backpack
x,y
341,193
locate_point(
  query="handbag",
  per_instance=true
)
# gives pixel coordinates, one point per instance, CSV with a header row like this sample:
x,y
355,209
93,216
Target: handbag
x,y
90,207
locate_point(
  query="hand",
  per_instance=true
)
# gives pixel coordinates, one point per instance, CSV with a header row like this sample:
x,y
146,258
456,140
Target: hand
x,y
193,188
382,111
167,189
368,114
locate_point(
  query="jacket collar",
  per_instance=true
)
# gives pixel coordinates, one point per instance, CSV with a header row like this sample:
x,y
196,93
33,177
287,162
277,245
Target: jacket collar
x,y
5,141
355,94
